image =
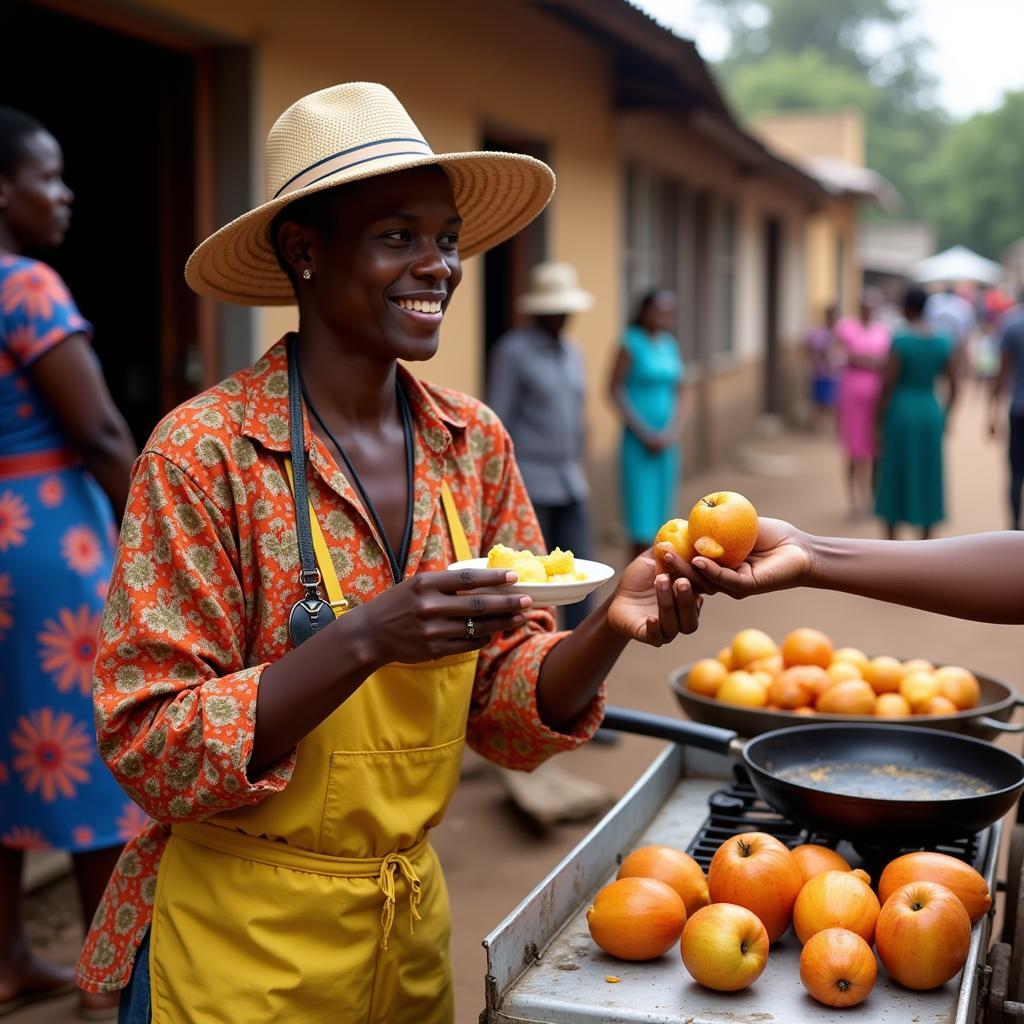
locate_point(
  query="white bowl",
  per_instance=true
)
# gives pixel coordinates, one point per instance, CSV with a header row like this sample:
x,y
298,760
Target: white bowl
x,y
548,594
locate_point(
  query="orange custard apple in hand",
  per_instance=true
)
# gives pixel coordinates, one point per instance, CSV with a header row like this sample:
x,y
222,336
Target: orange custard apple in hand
x,y
723,527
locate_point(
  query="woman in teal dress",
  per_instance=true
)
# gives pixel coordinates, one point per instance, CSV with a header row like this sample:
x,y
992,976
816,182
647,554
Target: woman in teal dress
x,y
646,387
912,421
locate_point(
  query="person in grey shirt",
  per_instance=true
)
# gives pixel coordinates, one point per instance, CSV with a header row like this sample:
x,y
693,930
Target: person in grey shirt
x,y
1011,379
537,387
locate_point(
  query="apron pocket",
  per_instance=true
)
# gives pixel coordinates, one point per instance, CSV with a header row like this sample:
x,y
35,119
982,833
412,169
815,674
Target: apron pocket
x,y
386,799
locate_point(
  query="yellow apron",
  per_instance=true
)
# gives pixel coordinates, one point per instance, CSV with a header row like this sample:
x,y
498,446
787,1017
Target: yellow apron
x,y
325,902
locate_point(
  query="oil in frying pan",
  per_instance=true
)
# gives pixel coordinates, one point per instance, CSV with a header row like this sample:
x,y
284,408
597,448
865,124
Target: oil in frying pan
x,y
885,782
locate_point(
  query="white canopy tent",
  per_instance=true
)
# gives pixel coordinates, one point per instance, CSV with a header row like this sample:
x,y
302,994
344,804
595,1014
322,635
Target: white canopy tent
x,y
957,264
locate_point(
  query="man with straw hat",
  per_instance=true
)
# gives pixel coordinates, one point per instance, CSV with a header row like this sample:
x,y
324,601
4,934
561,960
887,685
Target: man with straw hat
x,y
537,386
286,674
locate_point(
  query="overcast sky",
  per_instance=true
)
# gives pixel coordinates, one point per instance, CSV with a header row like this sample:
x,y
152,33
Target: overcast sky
x,y
978,47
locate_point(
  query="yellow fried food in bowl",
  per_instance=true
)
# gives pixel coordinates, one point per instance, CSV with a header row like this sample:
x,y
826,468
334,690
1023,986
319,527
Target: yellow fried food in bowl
x,y
557,567
525,564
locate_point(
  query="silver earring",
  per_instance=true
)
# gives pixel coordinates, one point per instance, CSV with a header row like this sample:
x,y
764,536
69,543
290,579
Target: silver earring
x,y
307,274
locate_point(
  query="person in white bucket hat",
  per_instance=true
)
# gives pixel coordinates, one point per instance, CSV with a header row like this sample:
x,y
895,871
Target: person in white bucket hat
x,y
286,673
537,386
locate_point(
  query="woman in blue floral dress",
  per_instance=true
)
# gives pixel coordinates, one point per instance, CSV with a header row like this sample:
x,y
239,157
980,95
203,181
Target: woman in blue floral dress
x,y
65,458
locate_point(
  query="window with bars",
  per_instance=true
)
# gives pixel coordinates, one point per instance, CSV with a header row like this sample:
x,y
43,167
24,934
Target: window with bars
x,y
724,278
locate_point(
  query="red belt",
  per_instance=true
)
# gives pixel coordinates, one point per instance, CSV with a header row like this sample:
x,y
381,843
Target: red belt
x,y
33,463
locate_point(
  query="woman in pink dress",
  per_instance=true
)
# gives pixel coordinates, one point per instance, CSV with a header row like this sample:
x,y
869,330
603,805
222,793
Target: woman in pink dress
x,y
865,341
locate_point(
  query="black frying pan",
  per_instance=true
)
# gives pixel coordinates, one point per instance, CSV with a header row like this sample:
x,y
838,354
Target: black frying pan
x,y
874,784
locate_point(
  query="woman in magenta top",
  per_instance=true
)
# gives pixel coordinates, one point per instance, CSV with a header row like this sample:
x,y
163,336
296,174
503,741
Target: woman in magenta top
x,y
865,341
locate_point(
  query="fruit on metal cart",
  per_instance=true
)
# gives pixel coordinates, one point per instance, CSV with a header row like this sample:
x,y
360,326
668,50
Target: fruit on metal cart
x,y
813,860
755,870
636,918
723,528
923,935
931,866
835,899
837,967
724,947
675,868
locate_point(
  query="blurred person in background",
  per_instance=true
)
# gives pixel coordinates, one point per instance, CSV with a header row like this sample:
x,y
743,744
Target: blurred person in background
x,y
949,313
821,356
1010,379
912,422
65,459
646,388
537,386
864,343
985,358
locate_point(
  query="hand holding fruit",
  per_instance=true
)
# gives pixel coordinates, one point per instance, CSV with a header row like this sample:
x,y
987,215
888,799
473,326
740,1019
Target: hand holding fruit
x,y
651,606
780,558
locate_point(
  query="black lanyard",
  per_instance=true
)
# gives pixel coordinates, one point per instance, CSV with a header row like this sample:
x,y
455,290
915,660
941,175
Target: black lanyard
x,y
398,564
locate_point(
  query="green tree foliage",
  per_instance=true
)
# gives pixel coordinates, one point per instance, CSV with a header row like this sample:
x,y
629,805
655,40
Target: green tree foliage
x,y
973,182
807,80
822,54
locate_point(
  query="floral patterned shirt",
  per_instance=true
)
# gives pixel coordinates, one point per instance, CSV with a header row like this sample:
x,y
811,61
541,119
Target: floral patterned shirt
x,y
198,606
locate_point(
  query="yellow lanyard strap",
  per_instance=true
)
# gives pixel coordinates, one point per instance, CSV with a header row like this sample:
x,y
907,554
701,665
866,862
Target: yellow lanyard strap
x,y
458,535
323,554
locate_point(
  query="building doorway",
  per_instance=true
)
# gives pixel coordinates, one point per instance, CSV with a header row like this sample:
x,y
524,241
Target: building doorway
x,y
507,266
772,299
124,109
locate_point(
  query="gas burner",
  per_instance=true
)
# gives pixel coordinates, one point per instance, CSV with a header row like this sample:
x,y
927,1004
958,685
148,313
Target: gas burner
x,y
737,808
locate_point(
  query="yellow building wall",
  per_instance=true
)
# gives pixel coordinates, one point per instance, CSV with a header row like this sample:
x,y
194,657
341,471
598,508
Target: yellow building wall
x,y
834,133
458,69
837,221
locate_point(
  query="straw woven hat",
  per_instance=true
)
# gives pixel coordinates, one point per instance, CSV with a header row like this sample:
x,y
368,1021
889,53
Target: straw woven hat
x,y
554,290
347,133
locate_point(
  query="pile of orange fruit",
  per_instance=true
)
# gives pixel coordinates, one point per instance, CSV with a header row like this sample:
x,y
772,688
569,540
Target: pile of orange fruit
x,y
919,921
806,674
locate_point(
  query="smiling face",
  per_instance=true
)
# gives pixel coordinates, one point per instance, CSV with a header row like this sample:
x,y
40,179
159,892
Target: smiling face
x,y
383,254
35,204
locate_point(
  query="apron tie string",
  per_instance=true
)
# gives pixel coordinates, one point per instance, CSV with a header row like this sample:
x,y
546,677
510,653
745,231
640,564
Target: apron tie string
x,y
392,864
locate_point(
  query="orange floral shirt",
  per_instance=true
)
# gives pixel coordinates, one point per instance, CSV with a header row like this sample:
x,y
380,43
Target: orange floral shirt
x,y
203,583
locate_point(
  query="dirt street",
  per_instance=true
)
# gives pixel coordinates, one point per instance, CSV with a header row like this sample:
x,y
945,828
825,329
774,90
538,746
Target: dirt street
x,y
493,857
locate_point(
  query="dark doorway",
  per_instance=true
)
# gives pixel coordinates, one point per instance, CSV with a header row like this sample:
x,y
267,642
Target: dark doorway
x,y
507,266
124,111
772,282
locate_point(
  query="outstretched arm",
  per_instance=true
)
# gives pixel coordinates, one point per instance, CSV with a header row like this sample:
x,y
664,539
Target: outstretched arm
x,y
978,577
